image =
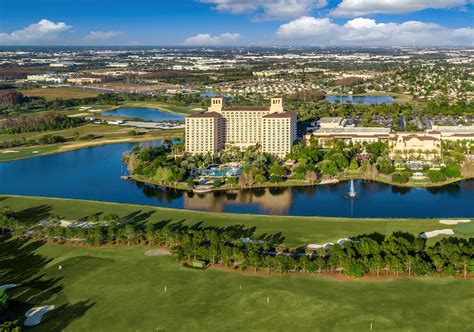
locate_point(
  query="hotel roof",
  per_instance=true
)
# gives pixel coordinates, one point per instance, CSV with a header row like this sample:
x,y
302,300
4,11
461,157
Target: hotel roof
x,y
280,115
206,115
247,108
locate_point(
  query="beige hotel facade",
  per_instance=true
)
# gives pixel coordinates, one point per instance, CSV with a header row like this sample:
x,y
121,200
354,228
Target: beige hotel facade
x,y
272,127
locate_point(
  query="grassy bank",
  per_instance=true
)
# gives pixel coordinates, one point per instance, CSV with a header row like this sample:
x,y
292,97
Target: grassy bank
x,y
296,230
105,134
121,289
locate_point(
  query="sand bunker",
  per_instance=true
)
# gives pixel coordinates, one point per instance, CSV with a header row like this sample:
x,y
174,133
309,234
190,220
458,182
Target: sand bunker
x,y
157,252
454,222
7,286
319,246
313,246
10,151
34,315
427,235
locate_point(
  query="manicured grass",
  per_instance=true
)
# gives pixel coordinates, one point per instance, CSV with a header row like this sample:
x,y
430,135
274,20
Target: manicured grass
x,y
296,230
54,93
121,289
465,228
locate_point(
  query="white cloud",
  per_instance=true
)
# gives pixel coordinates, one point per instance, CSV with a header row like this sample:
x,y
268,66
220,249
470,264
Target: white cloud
x,y
307,27
268,9
101,35
367,32
205,39
41,32
352,8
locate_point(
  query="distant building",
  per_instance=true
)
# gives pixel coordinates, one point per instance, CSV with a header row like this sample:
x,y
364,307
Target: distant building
x,y
49,78
84,80
272,127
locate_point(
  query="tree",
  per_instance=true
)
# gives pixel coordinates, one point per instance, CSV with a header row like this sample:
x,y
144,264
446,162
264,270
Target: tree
x,y
354,165
356,269
453,171
385,165
277,172
311,177
327,167
436,176
400,178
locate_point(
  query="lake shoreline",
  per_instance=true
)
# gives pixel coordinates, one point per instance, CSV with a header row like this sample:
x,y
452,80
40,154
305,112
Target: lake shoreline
x,y
185,187
66,147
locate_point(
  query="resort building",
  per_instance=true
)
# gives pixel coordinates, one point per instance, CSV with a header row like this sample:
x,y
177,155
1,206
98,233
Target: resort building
x,y
409,146
272,127
455,133
403,145
333,128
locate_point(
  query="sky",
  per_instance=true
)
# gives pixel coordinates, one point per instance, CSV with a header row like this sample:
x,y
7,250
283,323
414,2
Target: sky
x,y
237,22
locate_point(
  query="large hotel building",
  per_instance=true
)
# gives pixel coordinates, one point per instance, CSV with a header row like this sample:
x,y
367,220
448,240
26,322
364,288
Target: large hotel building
x,y
272,127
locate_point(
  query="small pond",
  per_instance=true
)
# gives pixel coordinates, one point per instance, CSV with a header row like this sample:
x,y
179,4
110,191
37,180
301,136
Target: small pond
x,y
368,100
144,113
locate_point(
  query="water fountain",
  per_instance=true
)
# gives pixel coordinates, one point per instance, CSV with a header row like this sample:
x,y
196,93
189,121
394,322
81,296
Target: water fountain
x,y
352,194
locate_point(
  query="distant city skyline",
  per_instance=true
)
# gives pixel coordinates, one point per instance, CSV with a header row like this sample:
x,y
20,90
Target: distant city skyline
x,y
238,22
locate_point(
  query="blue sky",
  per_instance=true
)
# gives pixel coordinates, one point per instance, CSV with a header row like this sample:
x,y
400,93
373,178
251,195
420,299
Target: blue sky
x,y
237,22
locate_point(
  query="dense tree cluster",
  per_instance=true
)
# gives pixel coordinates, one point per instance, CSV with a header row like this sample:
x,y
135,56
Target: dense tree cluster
x,y
163,164
241,248
41,122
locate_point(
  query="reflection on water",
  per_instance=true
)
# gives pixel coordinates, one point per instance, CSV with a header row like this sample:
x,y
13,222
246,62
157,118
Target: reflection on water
x,y
94,173
376,200
269,201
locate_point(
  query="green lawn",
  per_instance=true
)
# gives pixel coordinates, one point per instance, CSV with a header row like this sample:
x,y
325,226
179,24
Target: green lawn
x,y
121,289
296,230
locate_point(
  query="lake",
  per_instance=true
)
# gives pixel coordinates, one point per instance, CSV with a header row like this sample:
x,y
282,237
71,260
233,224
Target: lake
x,y
144,113
94,173
368,100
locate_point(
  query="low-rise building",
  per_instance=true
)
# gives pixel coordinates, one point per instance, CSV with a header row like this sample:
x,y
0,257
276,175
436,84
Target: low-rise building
x,y
84,80
424,145
333,128
49,78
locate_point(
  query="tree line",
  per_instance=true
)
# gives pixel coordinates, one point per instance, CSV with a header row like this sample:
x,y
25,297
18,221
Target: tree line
x,y
241,248
40,122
